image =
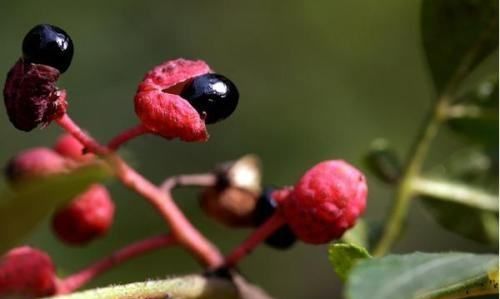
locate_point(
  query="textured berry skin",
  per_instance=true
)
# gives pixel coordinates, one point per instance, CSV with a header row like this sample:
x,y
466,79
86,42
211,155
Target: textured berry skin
x,y
49,45
160,107
87,217
27,272
31,96
214,96
325,202
34,163
69,147
283,238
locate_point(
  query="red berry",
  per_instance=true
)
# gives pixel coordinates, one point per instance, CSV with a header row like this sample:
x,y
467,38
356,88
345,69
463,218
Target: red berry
x,y
160,107
27,272
87,217
34,163
69,147
325,202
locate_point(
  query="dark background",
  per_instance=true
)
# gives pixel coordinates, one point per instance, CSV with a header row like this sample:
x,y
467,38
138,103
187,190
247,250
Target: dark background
x,y
318,80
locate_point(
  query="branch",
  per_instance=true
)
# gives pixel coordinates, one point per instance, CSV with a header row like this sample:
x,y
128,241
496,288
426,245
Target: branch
x,y
183,231
77,280
197,180
126,136
256,237
436,116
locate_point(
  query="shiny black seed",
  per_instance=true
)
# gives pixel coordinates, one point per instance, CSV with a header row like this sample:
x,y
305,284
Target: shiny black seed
x,y
48,45
266,205
283,238
214,96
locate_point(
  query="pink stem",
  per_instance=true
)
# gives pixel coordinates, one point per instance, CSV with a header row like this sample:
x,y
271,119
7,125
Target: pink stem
x,y
257,236
90,144
77,280
183,231
126,136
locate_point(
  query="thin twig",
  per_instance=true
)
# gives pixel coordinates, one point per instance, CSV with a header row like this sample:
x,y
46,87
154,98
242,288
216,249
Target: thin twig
x,y
126,136
256,237
77,280
436,116
197,180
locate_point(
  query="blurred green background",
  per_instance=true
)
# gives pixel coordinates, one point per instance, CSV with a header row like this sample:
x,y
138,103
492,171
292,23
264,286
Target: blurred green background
x,y
318,80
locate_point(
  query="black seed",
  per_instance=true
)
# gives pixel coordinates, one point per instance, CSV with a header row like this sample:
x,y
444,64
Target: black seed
x,y
266,205
10,171
221,272
48,45
283,238
214,96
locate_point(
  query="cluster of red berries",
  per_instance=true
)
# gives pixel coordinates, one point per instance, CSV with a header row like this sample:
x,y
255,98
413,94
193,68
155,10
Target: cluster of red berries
x,y
28,271
176,99
87,216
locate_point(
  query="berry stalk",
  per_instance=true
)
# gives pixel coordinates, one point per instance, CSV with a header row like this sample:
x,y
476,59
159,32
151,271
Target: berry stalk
x,y
126,136
86,140
260,234
183,231
198,180
77,280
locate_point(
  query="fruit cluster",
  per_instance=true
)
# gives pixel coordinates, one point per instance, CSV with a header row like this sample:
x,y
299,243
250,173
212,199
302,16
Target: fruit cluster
x,y
87,216
176,99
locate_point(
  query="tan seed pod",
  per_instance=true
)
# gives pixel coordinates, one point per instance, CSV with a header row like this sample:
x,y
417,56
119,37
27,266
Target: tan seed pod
x,y
244,173
230,206
232,201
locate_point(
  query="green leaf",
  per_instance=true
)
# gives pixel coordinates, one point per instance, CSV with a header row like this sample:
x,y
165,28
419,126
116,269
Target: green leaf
x,y
463,194
21,210
423,275
475,116
344,257
187,287
457,35
475,224
184,287
383,162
